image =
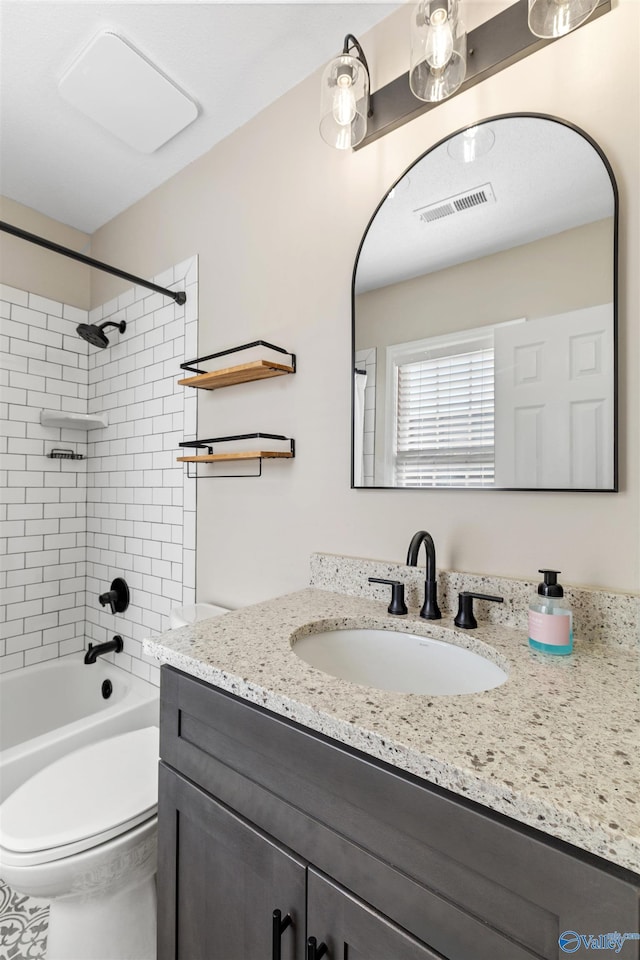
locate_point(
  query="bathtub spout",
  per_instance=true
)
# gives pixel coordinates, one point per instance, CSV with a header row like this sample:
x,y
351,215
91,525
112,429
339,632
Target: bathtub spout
x,y
99,649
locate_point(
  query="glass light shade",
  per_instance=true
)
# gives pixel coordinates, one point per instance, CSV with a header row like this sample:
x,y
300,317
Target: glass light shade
x,y
471,144
554,18
438,50
344,102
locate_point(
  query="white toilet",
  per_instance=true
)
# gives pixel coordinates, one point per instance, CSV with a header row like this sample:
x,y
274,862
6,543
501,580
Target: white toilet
x,y
81,833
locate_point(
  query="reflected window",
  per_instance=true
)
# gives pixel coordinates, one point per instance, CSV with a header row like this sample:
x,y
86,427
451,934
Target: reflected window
x,y
443,403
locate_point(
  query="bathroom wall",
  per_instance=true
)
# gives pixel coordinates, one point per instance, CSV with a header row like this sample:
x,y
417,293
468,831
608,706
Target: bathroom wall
x,y
127,509
276,217
560,273
29,267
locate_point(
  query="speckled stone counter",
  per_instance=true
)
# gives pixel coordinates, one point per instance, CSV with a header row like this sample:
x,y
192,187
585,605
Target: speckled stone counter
x,y
555,747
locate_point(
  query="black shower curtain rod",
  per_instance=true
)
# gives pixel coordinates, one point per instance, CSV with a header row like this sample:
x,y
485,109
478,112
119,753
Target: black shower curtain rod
x,y
179,296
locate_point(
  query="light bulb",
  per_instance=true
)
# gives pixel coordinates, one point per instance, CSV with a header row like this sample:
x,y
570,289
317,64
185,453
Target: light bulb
x,y
469,144
561,19
344,101
439,42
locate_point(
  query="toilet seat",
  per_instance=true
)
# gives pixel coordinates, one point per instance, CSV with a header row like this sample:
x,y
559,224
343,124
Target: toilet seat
x,y
82,800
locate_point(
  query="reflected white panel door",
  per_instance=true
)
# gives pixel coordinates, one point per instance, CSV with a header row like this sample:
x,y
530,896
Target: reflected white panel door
x,y
555,401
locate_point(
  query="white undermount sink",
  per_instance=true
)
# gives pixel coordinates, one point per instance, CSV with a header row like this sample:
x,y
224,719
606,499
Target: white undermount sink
x,y
401,662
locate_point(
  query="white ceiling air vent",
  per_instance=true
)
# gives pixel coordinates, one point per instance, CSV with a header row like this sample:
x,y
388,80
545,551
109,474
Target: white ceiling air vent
x,y
118,88
475,197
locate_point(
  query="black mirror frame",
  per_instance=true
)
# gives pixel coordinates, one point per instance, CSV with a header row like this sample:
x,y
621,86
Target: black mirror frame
x,y
616,397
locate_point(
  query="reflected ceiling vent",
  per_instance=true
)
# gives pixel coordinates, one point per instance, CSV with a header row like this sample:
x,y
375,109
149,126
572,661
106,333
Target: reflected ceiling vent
x,y
117,87
462,201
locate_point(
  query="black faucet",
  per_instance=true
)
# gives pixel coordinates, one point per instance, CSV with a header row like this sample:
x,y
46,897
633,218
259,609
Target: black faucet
x,y
430,609
99,649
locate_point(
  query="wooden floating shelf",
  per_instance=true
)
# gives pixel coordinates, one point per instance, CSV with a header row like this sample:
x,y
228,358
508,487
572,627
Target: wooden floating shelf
x,y
243,455
242,373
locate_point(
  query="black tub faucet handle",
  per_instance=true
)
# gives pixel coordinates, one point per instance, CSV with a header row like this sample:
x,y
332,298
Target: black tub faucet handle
x,y
117,597
397,606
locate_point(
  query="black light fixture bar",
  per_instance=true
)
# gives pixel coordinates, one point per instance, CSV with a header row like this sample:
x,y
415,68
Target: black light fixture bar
x,y
179,296
493,46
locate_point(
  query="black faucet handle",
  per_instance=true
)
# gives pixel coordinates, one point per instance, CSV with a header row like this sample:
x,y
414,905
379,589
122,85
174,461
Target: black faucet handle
x,y
109,599
397,606
117,597
464,617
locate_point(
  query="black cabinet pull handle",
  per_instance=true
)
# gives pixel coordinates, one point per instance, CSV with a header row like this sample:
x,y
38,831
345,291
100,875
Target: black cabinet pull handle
x,y
315,950
279,925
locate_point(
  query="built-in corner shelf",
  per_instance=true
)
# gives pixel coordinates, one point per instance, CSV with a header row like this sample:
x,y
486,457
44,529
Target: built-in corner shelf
x,y
73,421
240,373
231,456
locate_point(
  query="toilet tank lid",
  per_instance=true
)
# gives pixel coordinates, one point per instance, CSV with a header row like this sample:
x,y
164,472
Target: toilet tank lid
x,y
84,794
185,616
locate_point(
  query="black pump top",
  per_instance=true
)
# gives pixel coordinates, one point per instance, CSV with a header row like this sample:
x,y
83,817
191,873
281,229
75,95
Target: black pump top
x,y
550,587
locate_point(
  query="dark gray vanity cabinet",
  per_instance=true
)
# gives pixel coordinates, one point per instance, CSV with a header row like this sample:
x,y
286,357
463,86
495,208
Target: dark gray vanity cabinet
x,y
260,814
226,879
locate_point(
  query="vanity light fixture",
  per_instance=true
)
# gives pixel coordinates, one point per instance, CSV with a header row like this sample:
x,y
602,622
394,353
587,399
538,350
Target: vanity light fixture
x,y
345,103
554,18
440,66
438,50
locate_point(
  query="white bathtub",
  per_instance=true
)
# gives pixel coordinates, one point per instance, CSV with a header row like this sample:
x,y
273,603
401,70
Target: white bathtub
x,y
51,708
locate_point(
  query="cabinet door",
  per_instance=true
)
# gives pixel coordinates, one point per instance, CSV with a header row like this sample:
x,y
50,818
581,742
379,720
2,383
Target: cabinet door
x,y
352,930
220,880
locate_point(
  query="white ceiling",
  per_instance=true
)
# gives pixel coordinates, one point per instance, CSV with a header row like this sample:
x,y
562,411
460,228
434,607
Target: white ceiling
x,y
232,59
546,178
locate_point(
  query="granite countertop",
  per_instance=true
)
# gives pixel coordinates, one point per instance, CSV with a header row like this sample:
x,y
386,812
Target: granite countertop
x,y
555,747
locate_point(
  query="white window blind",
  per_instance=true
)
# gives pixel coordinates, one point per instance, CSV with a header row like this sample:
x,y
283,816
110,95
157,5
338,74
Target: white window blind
x,y
445,419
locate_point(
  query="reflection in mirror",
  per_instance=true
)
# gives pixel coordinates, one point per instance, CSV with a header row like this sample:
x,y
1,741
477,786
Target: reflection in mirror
x,y
484,316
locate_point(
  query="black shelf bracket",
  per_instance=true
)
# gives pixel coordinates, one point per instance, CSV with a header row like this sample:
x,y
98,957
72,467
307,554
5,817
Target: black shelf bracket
x,y
190,364
207,445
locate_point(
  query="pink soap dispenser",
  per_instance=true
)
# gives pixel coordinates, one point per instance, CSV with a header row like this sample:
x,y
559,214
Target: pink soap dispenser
x,y
550,617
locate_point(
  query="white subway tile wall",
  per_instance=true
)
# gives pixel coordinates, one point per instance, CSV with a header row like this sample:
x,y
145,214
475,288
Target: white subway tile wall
x,y
69,527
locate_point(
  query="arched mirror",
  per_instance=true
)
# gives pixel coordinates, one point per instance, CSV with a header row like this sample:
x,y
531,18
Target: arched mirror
x,y
484,316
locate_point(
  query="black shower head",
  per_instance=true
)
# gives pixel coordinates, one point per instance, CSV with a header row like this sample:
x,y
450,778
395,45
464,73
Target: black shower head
x,y
95,335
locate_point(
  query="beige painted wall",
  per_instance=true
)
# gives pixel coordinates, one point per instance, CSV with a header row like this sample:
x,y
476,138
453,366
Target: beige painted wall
x,y
564,272
29,267
276,218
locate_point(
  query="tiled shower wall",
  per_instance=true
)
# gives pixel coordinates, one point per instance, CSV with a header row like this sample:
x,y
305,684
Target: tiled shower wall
x,y
44,366
127,509
140,504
